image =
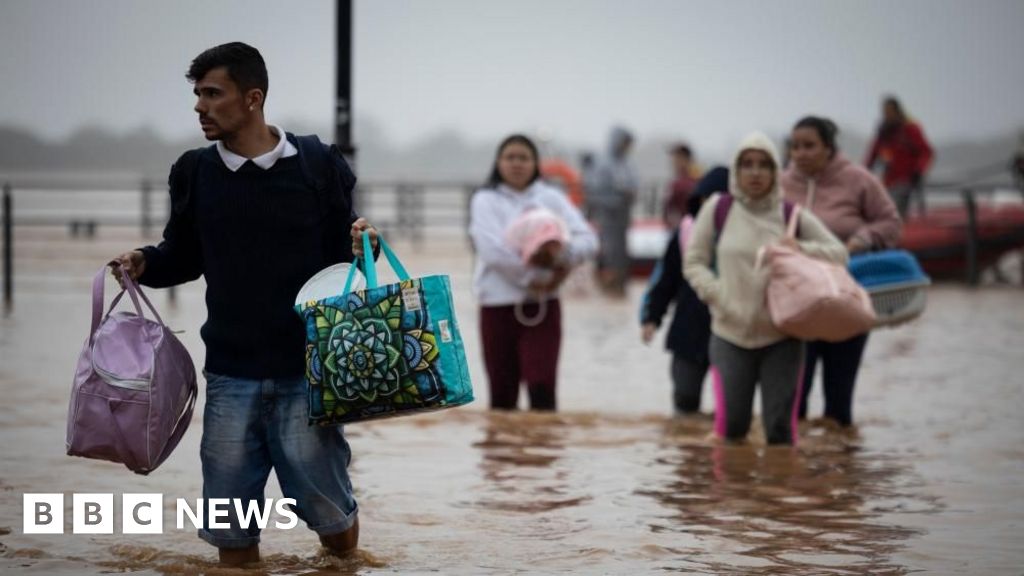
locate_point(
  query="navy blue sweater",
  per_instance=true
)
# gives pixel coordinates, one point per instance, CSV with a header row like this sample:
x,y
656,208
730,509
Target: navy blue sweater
x,y
257,236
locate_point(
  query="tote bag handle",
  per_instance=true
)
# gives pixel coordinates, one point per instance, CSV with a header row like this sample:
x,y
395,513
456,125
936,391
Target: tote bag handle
x,y
370,267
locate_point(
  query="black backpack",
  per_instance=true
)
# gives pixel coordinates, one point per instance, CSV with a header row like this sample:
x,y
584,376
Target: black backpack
x,y
323,167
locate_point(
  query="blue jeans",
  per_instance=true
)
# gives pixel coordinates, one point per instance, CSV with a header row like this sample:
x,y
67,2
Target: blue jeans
x,y
251,426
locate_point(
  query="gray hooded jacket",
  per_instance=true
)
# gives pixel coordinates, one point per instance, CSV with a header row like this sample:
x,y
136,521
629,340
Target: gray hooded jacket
x,y
613,179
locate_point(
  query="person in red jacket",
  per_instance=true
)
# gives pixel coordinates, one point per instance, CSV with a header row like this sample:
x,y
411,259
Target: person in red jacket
x,y
904,151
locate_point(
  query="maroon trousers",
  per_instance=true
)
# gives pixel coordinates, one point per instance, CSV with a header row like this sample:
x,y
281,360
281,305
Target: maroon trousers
x,y
514,353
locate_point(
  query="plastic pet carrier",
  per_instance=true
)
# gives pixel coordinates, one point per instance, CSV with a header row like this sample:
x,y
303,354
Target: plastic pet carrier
x,y
896,283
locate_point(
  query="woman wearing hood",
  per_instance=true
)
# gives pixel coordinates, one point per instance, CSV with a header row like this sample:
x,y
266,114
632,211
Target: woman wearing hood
x,y
854,205
746,348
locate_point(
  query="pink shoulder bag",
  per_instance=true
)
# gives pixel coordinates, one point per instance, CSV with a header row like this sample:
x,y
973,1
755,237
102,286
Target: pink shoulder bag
x,y
813,299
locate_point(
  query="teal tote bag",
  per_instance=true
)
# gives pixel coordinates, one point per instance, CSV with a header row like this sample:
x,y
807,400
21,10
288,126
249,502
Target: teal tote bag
x,y
384,351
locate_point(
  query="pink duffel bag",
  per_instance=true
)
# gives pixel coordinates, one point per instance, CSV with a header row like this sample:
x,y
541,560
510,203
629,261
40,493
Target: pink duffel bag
x,y
813,299
134,388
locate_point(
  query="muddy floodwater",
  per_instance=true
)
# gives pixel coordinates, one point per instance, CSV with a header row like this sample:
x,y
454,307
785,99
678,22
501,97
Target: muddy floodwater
x,y
930,481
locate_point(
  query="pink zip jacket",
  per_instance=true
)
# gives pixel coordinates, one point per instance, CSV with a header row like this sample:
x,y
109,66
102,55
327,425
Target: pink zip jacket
x,y
849,200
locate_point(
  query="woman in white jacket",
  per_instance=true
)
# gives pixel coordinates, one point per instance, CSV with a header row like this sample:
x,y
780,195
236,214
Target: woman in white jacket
x,y
746,348
516,351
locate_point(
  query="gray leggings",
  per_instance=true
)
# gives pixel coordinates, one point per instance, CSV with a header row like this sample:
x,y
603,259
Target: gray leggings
x,y
737,372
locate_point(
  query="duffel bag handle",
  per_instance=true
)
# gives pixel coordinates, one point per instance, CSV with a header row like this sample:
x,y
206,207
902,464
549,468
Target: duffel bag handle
x,y
134,291
370,267
791,225
794,220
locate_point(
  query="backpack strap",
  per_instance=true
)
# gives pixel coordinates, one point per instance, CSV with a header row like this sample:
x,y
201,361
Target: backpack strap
x,y
315,163
328,174
325,170
722,212
185,175
787,213
314,159
725,204
722,208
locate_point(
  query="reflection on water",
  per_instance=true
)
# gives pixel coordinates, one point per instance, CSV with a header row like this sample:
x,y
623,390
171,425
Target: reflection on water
x,y
811,510
134,558
519,462
585,492
611,486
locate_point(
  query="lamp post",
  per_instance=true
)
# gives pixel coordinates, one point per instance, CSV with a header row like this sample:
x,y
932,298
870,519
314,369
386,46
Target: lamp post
x,y
343,102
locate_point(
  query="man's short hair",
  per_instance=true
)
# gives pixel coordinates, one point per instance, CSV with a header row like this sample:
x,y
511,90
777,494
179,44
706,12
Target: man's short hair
x,y
244,65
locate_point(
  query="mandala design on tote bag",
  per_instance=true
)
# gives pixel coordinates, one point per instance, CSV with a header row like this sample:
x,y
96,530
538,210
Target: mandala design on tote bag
x,y
371,347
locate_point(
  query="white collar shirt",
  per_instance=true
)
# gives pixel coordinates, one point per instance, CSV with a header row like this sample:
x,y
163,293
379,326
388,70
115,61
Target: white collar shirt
x,y
284,149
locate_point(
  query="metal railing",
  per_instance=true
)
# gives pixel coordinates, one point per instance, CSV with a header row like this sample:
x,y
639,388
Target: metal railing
x,y
86,204
398,208
8,224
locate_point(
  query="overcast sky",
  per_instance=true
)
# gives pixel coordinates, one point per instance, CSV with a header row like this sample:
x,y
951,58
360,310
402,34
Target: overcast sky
x,y
707,71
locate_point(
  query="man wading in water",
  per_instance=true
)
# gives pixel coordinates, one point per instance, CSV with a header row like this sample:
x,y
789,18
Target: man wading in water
x,y
249,216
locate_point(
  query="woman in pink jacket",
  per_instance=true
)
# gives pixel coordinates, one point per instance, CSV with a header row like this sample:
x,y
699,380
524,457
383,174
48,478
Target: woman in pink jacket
x,y
855,206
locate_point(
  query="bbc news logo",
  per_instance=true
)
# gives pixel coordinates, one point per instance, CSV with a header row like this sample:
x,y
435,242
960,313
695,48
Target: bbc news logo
x,y
144,513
